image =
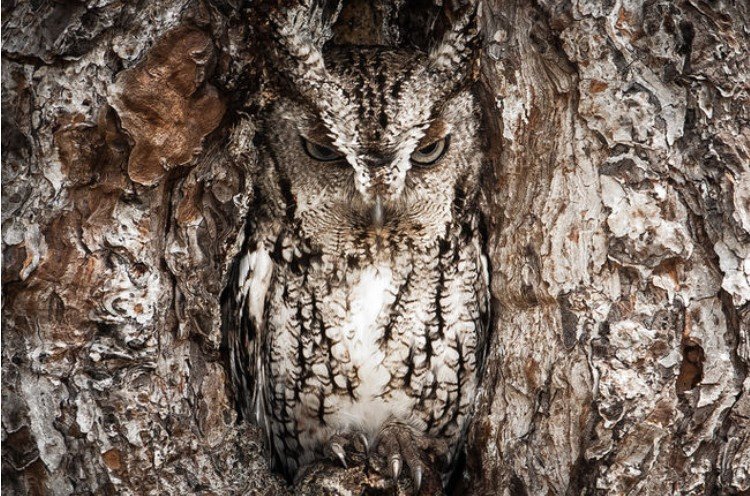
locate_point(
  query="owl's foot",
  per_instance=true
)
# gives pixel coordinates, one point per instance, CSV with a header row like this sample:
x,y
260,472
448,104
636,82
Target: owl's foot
x,y
399,445
354,444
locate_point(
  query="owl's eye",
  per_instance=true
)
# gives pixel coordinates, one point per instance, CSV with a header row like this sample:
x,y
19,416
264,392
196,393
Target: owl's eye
x,y
321,153
430,154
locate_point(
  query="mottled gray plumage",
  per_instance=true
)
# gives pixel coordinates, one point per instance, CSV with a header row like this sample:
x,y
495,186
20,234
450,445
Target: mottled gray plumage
x,y
360,300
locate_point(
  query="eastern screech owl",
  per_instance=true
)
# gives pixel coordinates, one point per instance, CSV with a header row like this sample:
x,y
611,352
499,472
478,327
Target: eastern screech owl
x,y
360,297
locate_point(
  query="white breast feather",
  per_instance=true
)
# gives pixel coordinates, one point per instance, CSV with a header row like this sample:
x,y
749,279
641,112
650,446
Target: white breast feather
x,y
372,295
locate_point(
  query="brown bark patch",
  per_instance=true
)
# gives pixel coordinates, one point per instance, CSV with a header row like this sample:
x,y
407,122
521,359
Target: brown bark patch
x,y
597,86
691,369
13,263
91,152
189,208
569,321
165,104
21,448
113,460
79,145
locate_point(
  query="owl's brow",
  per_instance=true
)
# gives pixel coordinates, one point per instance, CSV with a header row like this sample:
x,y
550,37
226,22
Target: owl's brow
x,y
436,131
433,130
319,133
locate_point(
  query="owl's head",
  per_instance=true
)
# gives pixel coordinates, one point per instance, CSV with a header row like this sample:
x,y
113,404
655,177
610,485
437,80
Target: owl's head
x,y
376,146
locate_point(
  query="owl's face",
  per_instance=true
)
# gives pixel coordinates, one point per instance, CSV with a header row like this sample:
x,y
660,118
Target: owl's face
x,y
381,158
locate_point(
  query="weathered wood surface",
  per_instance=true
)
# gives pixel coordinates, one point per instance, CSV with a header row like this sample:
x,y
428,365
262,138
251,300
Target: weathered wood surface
x,y
620,257
619,195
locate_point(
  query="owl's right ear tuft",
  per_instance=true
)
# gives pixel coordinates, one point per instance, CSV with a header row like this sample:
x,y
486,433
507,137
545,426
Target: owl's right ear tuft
x,y
297,31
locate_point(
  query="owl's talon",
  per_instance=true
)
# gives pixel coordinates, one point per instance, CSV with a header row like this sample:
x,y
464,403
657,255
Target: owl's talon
x,y
346,448
395,466
365,442
339,452
398,445
416,476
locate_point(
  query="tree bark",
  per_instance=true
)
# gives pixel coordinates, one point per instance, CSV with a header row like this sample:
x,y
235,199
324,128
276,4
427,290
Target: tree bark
x,y
618,197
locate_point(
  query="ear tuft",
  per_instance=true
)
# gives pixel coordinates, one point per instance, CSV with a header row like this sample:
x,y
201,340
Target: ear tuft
x,y
453,59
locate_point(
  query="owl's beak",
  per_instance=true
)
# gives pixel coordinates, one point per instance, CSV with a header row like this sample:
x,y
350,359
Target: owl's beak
x,y
377,212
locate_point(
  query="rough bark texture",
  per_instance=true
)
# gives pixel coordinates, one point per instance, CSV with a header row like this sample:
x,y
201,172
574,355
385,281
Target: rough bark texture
x,y
618,193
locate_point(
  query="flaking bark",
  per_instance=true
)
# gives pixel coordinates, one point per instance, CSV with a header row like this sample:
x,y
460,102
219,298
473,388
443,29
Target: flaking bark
x,y
618,207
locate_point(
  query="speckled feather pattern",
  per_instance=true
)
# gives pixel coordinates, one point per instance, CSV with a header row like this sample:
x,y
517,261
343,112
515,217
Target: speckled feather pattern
x,y
342,325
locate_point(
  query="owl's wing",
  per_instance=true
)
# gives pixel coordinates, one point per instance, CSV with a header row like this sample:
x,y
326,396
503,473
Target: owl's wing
x,y
243,304
484,320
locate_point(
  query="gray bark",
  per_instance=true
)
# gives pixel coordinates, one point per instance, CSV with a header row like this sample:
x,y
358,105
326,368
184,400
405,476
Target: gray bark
x,y
618,194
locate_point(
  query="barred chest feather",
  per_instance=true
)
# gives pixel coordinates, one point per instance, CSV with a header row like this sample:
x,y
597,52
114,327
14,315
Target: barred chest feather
x,y
351,343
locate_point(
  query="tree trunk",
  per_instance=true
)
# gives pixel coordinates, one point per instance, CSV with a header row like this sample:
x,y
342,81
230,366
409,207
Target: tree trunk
x,y
618,195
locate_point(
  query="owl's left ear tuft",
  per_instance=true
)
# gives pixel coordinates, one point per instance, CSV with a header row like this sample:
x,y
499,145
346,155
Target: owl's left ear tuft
x,y
454,59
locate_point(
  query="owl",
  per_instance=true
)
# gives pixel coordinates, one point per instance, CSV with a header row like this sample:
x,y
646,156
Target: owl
x,y
357,308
